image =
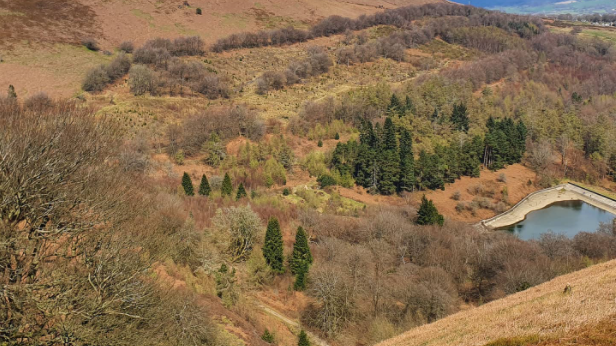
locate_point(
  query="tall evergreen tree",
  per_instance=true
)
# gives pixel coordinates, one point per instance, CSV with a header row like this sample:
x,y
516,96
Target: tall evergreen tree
x,y
406,180
459,117
273,247
227,187
390,142
428,214
394,107
187,185
12,94
241,192
303,339
204,187
301,257
388,171
428,173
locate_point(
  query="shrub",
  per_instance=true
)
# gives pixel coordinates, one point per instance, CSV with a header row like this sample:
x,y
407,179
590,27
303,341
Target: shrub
x,y
326,180
91,44
96,80
243,226
212,87
118,67
267,336
460,207
502,178
428,214
127,47
456,196
199,12
142,80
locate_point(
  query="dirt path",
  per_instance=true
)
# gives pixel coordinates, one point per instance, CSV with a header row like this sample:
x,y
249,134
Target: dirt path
x,y
314,339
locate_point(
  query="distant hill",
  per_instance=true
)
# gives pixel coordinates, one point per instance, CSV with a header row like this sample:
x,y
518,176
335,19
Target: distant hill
x,y
546,6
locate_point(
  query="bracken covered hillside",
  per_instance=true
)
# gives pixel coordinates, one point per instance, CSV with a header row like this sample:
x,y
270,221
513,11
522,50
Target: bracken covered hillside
x,y
573,309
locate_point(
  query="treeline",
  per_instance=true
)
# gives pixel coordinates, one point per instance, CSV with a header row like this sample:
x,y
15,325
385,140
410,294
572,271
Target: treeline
x,y
401,17
158,68
606,18
223,123
317,63
174,74
383,161
493,68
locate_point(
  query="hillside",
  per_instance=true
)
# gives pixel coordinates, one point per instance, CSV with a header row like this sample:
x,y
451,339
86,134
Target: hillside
x,y
540,315
40,39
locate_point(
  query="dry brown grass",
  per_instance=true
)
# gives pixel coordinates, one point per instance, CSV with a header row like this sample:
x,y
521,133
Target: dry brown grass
x,y
544,310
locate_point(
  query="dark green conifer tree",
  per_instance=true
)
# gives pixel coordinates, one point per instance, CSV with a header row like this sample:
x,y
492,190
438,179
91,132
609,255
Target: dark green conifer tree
x,y
388,171
204,187
428,173
320,143
227,187
459,117
337,136
273,247
428,214
301,257
390,142
241,192
187,185
406,181
303,339
267,336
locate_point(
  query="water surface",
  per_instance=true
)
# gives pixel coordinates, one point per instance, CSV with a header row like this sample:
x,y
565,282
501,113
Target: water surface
x,y
565,217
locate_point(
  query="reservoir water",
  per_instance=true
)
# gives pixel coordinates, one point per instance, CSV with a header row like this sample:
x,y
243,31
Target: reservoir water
x,y
565,217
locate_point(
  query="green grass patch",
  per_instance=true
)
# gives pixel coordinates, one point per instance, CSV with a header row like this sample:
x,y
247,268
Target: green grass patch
x,y
144,15
11,13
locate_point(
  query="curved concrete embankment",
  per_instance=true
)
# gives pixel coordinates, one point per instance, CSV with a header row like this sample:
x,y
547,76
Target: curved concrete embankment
x,y
541,199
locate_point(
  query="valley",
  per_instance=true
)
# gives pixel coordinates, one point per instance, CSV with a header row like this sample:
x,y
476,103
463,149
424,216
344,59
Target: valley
x,y
234,173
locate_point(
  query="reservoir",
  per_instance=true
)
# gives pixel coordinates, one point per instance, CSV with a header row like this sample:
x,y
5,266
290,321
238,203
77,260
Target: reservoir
x,y
564,217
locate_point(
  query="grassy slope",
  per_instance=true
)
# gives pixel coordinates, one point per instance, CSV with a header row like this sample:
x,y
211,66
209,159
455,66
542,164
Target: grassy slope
x,y
53,30
542,311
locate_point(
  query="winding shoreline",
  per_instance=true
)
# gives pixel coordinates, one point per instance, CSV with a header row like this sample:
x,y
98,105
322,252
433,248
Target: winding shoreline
x,y
543,198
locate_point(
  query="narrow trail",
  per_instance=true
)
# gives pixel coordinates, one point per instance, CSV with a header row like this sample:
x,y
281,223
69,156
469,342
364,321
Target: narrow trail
x,y
314,339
